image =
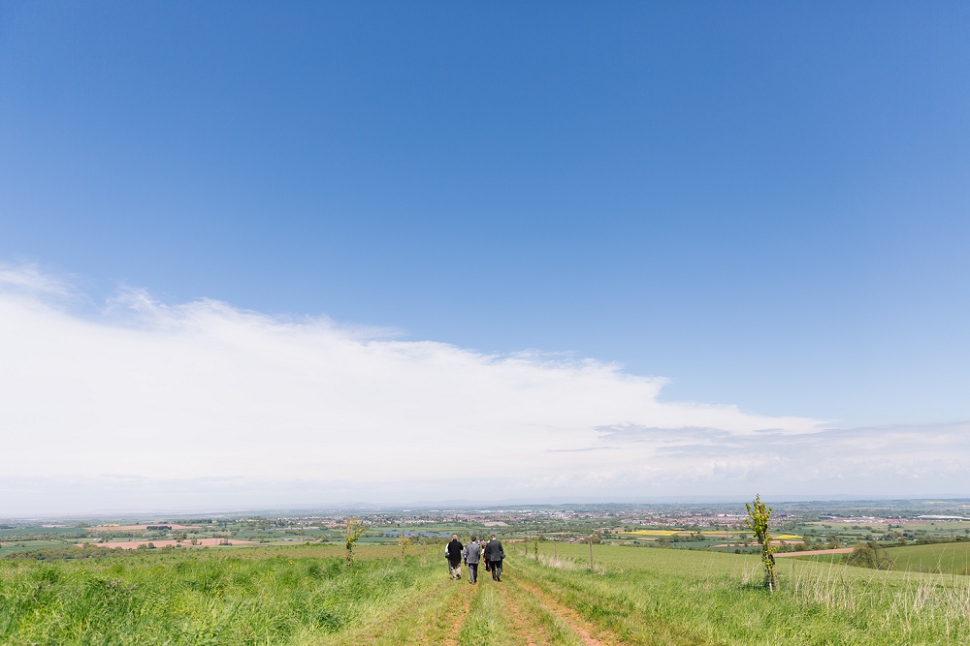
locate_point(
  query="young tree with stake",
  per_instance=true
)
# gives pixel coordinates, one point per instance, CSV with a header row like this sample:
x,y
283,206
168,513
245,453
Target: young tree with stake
x,y
757,521
355,527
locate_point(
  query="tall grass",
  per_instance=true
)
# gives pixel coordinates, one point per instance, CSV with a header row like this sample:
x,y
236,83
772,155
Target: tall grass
x,y
199,598
702,598
308,596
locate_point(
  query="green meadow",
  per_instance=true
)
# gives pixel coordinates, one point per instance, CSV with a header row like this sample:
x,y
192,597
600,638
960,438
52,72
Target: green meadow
x,y
703,597
934,558
308,595
949,558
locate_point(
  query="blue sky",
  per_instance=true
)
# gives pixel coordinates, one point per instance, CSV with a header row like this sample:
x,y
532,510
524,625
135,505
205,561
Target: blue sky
x,y
767,205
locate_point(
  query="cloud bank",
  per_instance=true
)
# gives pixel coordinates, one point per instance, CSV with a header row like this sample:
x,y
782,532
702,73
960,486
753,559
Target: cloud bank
x,y
149,406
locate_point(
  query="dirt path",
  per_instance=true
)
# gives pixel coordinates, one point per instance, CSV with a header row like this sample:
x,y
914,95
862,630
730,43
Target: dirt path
x,y
841,550
522,627
422,617
569,616
467,596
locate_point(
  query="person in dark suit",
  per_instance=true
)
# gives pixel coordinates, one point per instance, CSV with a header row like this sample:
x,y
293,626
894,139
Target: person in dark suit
x,y
495,554
453,552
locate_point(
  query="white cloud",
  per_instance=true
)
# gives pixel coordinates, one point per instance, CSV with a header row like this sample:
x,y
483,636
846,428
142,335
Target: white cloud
x,y
150,406
29,279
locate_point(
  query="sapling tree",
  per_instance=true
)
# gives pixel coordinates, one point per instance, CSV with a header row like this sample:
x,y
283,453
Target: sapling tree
x,y
355,528
758,515
405,542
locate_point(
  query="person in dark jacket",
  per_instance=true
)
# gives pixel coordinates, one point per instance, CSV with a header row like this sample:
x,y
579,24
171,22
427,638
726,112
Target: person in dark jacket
x,y
494,554
471,554
453,552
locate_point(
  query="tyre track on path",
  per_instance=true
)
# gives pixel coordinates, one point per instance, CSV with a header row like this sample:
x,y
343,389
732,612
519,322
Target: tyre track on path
x,y
569,616
466,603
520,623
416,619
624,623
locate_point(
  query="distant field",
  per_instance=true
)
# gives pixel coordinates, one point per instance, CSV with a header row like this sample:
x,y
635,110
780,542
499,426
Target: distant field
x,y
950,558
303,595
201,542
703,563
8,547
135,528
939,558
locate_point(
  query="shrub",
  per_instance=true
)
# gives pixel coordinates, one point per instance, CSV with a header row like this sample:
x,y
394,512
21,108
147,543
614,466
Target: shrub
x,y
868,555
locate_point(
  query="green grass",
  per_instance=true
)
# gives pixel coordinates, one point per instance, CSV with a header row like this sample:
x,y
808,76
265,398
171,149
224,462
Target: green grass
x,y
950,558
488,619
306,595
547,626
936,558
672,596
244,597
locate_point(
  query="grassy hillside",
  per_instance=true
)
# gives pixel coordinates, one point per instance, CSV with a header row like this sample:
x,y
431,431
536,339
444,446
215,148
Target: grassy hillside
x,y
235,597
950,558
307,595
709,597
936,558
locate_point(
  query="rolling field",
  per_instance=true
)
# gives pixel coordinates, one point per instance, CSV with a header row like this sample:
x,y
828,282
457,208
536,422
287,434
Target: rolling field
x,y
307,595
950,558
9,548
935,558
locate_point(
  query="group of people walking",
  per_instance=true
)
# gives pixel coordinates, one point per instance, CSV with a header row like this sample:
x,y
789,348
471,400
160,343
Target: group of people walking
x,y
472,554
